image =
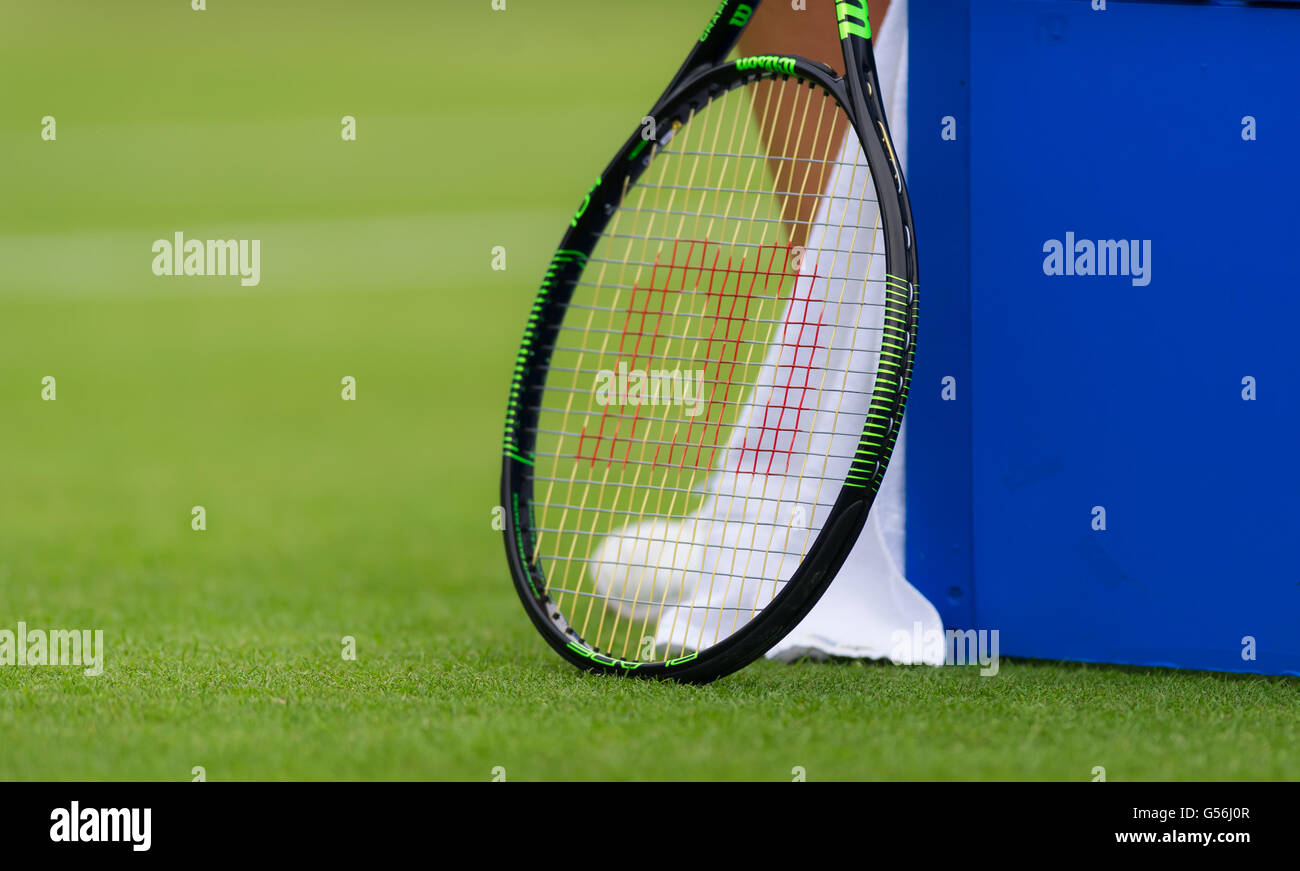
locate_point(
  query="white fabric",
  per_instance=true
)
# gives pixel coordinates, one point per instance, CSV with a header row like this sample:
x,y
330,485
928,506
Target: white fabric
x,y
870,600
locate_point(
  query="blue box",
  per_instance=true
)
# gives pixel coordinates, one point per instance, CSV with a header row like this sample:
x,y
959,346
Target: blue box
x,y
1153,375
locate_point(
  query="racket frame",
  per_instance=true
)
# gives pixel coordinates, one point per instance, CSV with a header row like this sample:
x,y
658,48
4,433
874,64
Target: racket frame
x,y
703,76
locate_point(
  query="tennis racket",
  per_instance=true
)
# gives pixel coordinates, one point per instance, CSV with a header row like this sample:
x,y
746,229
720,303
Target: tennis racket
x,y
713,374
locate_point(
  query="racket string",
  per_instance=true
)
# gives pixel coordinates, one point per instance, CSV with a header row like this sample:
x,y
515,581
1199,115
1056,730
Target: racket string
x,y
727,315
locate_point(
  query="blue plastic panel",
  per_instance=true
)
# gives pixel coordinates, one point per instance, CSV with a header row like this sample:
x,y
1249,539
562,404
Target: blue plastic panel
x,y
1119,391
938,429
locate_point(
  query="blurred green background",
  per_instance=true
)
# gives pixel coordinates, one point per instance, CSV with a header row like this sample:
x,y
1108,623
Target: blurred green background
x,y
371,518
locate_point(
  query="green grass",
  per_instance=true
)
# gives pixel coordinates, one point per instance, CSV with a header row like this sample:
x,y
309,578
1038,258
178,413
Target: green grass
x,y
372,519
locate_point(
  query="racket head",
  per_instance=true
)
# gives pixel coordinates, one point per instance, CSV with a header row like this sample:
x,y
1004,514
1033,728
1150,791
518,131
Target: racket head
x,y
555,524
